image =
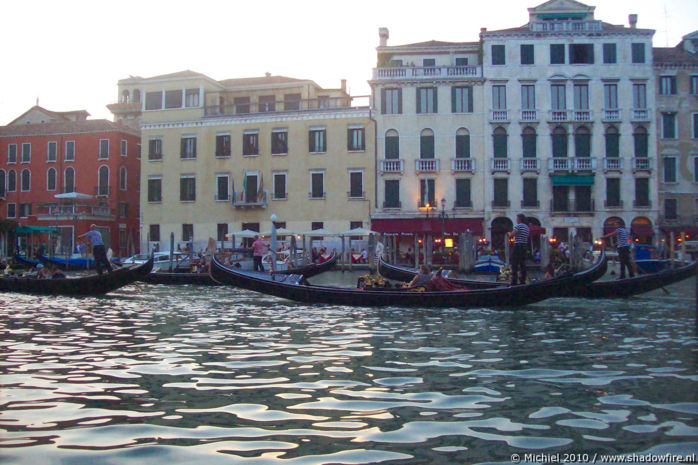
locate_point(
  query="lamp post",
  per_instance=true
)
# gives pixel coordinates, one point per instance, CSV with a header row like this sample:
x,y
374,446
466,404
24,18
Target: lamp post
x,y
273,242
443,228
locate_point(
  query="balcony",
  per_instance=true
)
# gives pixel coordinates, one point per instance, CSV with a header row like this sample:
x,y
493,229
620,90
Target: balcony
x,y
581,115
392,166
461,165
560,164
100,211
500,165
559,116
584,164
283,106
499,116
643,164
613,204
571,164
640,114
254,200
612,115
577,208
565,25
530,165
530,204
426,165
613,164
529,115
427,72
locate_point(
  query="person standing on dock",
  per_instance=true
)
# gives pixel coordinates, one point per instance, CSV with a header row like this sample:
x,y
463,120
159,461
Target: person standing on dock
x,y
98,250
258,247
520,234
623,247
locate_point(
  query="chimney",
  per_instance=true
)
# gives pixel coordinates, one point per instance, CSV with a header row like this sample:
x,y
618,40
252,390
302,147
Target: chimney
x,y
383,34
343,85
632,19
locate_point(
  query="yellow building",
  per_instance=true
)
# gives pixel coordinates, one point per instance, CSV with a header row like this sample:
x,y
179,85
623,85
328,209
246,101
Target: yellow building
x,y
223,156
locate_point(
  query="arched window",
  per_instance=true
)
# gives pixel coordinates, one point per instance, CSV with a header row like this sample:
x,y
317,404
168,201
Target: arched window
x,y
528,142
136,96
462,143
69,180
51,179
25,181
125,96
612,142
103,180
122,178
582,142
641,146
499,142
559,142
2,183
11,181
426,144
392,145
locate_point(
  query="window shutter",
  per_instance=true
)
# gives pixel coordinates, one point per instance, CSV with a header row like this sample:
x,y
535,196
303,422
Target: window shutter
x,y
382,101
419,100
399,101
436,100
183,147
470,98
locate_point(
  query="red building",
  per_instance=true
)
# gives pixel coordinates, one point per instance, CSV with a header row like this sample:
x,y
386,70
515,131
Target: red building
x,y
63,171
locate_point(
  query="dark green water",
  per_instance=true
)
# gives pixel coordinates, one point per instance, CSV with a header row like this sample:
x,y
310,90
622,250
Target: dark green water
x,y
163,375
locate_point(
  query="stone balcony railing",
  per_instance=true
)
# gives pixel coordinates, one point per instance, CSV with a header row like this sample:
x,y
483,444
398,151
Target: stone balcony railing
x,y
528,164
396,165
571,164
426,165
463,165
426,72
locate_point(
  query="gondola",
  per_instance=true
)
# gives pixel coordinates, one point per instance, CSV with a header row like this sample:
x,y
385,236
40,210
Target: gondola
x,y
70,264
294,287
405,274
26,261
312,269
80,286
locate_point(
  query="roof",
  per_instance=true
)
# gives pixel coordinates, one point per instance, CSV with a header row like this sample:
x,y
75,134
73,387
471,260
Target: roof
x,y
674,55
437,43
65,127
261,81
187,73
59,115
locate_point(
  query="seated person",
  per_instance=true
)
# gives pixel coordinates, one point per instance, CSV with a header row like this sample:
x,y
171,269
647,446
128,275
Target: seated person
x,y
440,283
42,272
58,274
421,279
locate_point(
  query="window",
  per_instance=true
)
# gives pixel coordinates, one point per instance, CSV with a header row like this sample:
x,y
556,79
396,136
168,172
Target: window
x,y
670,209
561,198
499,142
641,140
669,125
26,153
426,144
557,54
392,145
191,98
267,103
463,198
25,210
462,99
70,150
694,117
221,231
612,142
123,209
530,192
122,178
462,143
638,53
188,147
51,151
498,55
11,181
69,180
279,192
499,97
154,233
582,142
528,142
426,100
138,151
609,53
223,144
317,140
581,97
155,149
694,85
187,232
695,175
103,148
391,101
241,105
187,188
249,186
639,96
155,189
250,142
527,54
501,192
12,210
559,142
356,184
153,100
528,97
279,141
292,102
3,184
610,96
427,192
642,192
667,85
124,148
323,101
581,54
613,192
557,97
669,169
222,189
392,193
25,181
173,99
429,62
103,180
355,139
461,61
12,153
317,184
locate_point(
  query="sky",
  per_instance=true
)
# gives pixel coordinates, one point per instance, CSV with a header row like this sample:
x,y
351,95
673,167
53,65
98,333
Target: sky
x,y
70,54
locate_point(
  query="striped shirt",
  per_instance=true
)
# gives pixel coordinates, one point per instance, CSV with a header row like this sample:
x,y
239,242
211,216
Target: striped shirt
x,y
623,237
521,234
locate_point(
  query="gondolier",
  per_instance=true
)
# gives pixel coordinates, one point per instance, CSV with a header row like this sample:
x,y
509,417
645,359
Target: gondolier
x,y
98,250
623,247
520,234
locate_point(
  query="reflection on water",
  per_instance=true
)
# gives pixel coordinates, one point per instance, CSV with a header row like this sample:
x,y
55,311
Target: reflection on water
x,y
161,375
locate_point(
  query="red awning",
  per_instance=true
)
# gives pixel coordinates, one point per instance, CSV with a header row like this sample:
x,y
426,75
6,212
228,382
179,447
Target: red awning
x,y
428,225
676,230
536,230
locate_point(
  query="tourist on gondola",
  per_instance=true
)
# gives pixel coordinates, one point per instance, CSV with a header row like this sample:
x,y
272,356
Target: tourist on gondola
x,y
258,248
520,234
98,250
421,279
623,247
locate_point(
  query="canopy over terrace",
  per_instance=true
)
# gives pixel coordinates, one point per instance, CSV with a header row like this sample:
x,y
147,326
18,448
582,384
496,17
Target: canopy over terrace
x,y
434,226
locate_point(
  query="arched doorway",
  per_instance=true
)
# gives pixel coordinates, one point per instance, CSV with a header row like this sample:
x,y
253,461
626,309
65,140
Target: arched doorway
x,y
536,231
499,228
642,230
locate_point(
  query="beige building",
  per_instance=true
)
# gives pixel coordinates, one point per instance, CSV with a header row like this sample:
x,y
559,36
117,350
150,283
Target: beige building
x,y
223,156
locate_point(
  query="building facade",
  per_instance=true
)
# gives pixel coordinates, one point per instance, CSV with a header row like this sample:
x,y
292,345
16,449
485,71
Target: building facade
x,y
64,171
224,156
676,73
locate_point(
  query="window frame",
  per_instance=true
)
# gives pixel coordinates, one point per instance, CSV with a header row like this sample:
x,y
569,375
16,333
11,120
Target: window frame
x,y
123,146
155,149
217,196
26,156
187,193
557,54
675,127
11,181
154,195
356,139
311,192
610,53
362,193
49,144
28,187
123,178
498,52
250,143
527,54
391,101
12,154
461,99
674,178
102,155
69,150
223,149
275,195
427,100
317,139
188,147
638,53
279,141
667,85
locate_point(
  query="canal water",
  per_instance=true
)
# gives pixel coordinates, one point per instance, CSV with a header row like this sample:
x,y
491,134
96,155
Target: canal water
x,y
168,375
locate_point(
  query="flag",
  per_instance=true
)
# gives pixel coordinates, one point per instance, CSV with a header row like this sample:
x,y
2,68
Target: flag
x,y
260,191
244,187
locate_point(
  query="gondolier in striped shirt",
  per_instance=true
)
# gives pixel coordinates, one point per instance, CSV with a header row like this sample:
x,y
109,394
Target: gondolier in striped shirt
x,y
623,247
98,250
520,234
